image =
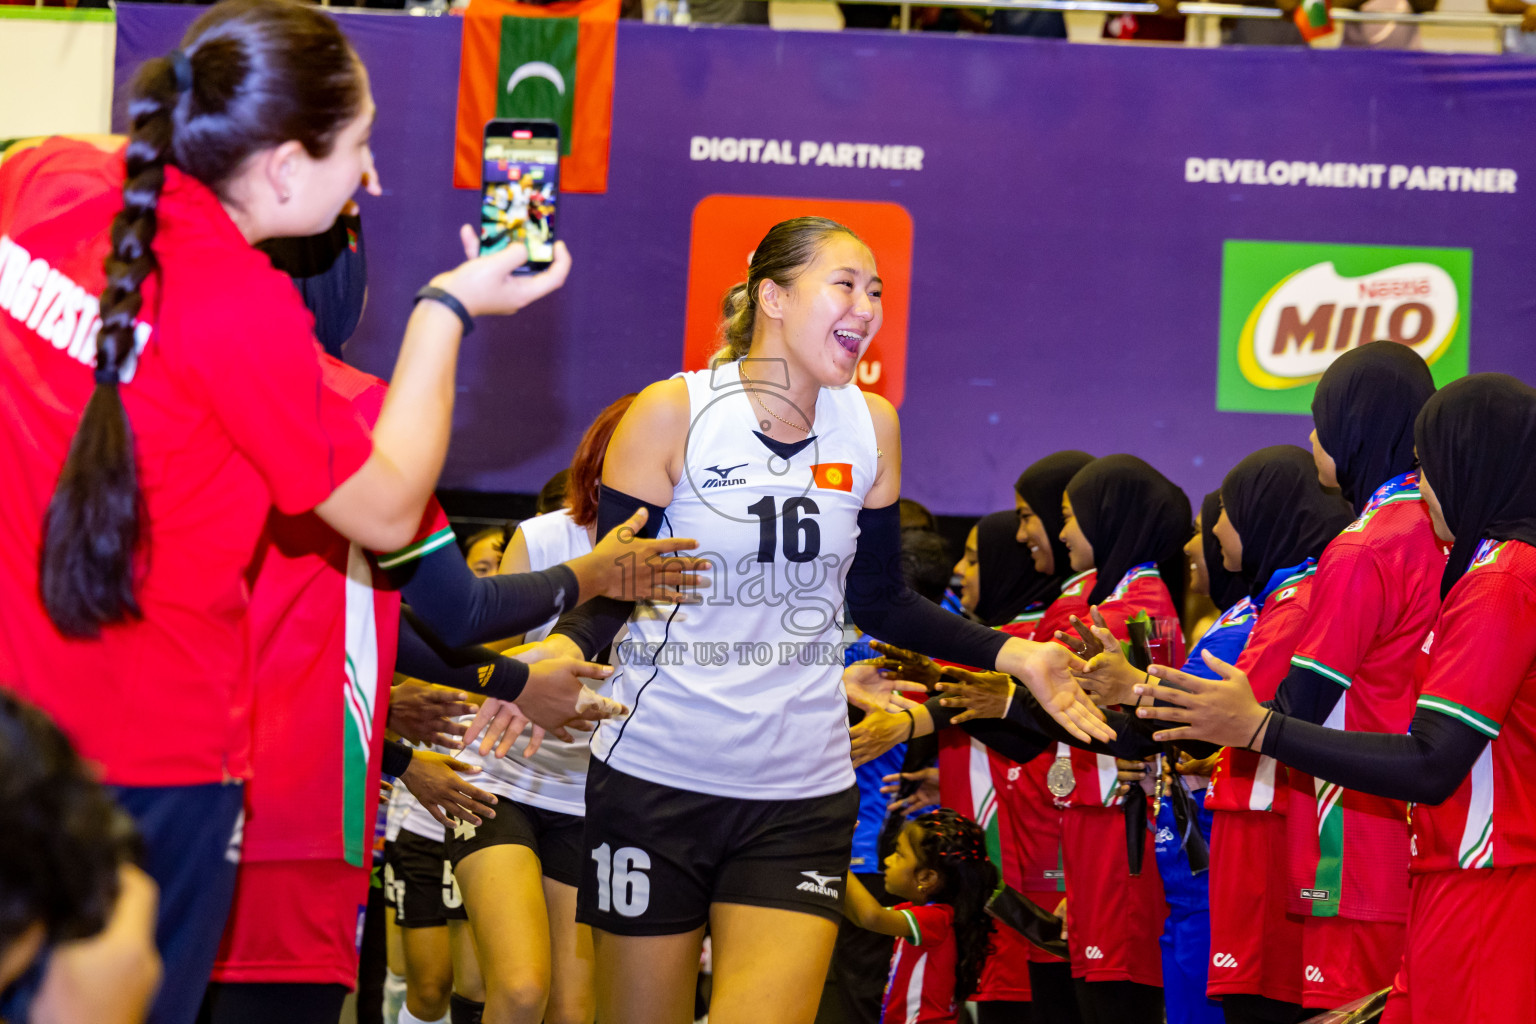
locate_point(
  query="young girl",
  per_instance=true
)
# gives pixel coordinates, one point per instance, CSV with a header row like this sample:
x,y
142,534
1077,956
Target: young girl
x,y
943,934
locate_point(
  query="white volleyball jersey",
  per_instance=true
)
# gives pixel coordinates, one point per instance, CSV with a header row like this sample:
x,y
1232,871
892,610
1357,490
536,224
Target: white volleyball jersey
x,y
742,696
555,778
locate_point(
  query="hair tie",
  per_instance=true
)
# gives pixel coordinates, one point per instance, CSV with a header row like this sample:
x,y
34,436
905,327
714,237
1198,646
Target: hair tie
x,y
181,67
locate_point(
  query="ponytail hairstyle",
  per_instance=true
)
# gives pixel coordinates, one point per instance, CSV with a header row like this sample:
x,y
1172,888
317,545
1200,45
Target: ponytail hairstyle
x,y
251,74
955,846
786,250
586,470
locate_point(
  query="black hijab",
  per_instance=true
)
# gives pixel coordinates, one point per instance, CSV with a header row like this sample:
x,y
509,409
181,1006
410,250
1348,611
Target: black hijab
x,y
1280,512
1131,514
1227,588
1008,580
1363,410
1041,486
1475,439
331,272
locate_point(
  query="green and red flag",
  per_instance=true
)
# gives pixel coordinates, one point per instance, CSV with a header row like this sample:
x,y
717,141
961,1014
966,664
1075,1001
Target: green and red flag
x,y
550,61
1314,18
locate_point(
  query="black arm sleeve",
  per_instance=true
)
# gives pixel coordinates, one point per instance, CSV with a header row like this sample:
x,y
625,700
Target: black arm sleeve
x,y
595,623
884,606
1425,766
1306,695
1028,730
423,656
397,758
463,608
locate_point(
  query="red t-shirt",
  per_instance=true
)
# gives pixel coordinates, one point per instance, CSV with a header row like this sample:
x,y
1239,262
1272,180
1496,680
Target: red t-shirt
x,y
324,626
1482,673
1244,780
921,988
229,417
1373,601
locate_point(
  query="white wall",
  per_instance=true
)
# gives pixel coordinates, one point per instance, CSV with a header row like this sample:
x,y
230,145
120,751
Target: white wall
x,y
55,70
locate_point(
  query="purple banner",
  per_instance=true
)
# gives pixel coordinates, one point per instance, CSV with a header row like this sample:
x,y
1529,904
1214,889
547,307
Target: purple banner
x,y
1080,217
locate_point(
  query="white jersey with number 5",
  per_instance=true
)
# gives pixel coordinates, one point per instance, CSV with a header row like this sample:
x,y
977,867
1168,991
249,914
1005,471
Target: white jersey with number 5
x,y
742,695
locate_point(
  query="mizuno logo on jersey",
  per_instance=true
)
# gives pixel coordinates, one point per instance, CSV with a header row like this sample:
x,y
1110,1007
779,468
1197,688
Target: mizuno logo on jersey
x,y
1315,894
724,478
1093,953
820,884
1223,960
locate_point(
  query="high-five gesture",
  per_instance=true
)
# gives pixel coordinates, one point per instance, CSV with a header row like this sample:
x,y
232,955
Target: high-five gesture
x,y
1221,711
1047,670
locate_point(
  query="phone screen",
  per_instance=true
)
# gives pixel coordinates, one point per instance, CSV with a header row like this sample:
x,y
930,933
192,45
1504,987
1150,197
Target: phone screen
x,y
520,184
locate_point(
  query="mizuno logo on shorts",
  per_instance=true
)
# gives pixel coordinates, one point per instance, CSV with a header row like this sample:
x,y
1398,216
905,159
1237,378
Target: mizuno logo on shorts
x,y
1314,974
820,884
1314,894
1223,960
1093,953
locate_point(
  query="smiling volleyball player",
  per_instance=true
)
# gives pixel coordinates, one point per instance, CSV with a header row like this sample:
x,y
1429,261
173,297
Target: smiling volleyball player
x,y
727,796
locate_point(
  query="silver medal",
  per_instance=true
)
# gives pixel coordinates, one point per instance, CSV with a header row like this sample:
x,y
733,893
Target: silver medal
x,y
1060,780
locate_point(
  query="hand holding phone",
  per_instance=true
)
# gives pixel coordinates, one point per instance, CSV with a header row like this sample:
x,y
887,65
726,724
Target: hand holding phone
x,y
519,192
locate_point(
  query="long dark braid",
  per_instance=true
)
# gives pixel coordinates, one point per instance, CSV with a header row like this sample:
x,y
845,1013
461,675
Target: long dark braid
x,y
255,73
93,522
955,847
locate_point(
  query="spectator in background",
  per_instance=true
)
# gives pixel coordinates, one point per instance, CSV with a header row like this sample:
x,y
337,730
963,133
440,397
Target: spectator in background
x,y
1167,25
1383,35
484,547
555,494
1040,24
1521,39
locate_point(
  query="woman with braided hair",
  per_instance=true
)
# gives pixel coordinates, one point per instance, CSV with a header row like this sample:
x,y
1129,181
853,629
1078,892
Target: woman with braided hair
x,y
163,392
943,934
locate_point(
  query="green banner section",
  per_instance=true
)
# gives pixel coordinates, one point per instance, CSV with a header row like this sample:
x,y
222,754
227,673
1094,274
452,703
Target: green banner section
x,y
1288,309
537,72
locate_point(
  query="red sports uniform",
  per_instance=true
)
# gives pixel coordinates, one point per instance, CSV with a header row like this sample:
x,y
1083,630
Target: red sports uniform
x,y
1112,918
1373,600
324,626
921,989
1256,954
229,417
1470,957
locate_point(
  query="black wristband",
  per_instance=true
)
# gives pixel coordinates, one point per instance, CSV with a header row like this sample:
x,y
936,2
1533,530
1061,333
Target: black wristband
x,y
439,295
397,758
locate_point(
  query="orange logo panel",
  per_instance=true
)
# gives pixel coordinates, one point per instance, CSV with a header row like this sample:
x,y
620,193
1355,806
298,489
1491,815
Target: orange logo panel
x,y
727,228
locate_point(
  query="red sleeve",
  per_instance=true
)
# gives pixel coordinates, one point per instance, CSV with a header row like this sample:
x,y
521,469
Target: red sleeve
x,y
263,373
1267,658
434,532
1483,649
931,922
1350,606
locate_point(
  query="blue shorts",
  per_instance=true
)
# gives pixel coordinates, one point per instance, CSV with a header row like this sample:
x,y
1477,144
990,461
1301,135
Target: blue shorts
x,y
191,849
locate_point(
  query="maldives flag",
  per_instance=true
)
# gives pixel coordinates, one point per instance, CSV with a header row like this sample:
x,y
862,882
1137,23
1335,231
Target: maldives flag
x,y
552,61
1314,18
836,476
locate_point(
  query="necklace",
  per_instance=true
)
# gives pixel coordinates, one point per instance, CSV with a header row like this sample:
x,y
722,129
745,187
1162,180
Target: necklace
x,y
781,419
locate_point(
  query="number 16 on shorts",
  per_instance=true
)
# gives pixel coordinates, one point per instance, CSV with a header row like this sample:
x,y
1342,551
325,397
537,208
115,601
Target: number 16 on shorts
x,y
622,884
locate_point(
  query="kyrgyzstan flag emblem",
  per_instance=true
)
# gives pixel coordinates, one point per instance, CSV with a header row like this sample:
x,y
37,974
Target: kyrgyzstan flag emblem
x,y
836,476
551,61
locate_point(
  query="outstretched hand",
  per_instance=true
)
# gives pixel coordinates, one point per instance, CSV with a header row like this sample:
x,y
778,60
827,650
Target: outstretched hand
x,y
1107,675
870,688
982,694
1047,671
918,671
629,567
437,781
1221,711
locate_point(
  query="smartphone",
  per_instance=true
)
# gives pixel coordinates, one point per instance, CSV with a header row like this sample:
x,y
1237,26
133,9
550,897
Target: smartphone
x,y
520,186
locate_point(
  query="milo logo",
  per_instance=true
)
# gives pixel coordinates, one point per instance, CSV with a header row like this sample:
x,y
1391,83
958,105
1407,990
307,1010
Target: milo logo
x,y
1290,309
